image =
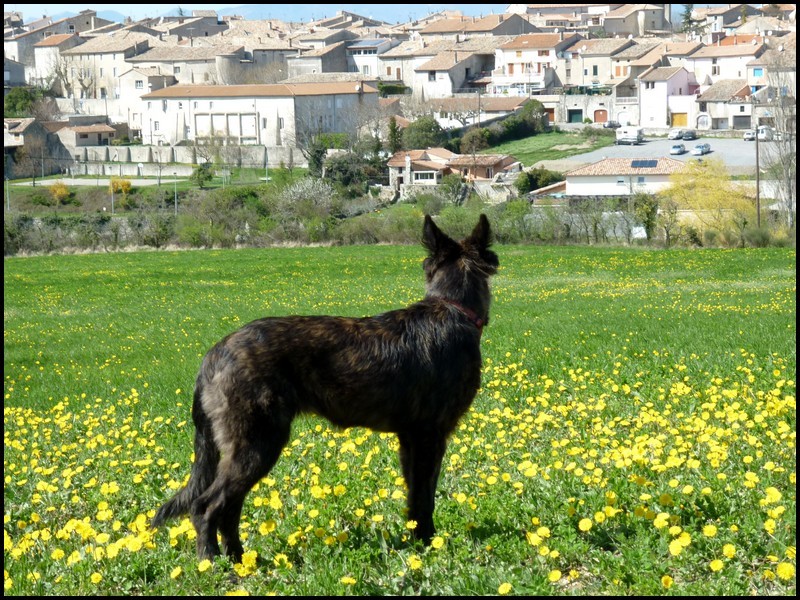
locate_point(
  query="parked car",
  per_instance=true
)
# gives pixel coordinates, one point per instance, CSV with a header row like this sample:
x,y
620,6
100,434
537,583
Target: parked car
x,y
675,134
749,135
765,133
689,134
611,125
701,149
677,149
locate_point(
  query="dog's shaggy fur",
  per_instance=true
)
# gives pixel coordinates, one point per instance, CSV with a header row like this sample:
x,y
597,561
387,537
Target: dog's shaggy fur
x,y
413,372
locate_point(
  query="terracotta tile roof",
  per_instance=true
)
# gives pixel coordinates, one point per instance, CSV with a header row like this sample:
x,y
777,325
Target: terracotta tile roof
x,y
458,24
117,41
54,40
726,90
258,90
600,47
721,51
399,158
185,53
98,128
479,160
444,61
623,166
535,40
660,74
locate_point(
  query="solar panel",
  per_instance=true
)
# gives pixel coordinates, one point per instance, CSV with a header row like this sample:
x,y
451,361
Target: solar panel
x,y
643,164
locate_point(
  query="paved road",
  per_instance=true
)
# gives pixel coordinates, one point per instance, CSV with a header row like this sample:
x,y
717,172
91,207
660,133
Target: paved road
x,y
739,156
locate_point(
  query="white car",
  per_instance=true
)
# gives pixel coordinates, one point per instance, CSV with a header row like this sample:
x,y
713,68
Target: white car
x,y
675,134
677,149
749,135
701,149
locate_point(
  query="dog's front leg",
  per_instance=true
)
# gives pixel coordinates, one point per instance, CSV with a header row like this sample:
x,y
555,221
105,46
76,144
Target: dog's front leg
x,y
421,460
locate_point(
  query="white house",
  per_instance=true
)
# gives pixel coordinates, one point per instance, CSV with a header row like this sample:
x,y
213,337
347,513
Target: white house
x,y
667,98
528,63
267,115
712,63
622,176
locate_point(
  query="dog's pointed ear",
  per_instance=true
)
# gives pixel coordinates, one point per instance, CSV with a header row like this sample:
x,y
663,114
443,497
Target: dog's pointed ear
x,y
433,238
481,236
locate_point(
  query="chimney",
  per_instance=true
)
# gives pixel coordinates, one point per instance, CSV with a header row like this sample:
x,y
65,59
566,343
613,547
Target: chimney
x,y
501,18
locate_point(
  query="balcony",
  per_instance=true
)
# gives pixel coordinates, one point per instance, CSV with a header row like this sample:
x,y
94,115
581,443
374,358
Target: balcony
x,y
531,77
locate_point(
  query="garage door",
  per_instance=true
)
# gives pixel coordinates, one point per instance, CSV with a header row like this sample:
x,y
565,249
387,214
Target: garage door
x,y
574,115
600,116
680,119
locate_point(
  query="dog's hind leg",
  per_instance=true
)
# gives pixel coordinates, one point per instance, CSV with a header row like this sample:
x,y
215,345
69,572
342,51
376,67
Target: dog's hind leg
x,y
421,460
245,461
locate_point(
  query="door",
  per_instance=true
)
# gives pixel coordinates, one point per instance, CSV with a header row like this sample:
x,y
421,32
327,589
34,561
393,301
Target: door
x,y
600,116
680,119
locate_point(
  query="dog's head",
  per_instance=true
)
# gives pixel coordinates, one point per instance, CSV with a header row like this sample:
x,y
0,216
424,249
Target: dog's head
x,y
458,264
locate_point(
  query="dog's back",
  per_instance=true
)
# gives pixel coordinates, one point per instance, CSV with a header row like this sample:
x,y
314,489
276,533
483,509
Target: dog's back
x,y
413,371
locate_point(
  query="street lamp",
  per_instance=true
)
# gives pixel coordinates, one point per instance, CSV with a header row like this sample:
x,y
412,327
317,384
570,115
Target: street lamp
x,y
175,180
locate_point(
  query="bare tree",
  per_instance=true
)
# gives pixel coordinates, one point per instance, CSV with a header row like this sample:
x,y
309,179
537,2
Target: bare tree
x,y
780,104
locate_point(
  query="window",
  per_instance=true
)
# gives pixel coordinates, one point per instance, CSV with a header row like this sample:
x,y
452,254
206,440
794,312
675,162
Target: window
x,y
519,53
177,70
431,75
180,105
366,69
741,108
544,52
640,180
758,72
156,125
139,84
426,176
388,71
263,122
594,70
83,136
280,123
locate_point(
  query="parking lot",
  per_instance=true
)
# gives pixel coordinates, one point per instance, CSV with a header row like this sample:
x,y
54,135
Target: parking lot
x,y
739,156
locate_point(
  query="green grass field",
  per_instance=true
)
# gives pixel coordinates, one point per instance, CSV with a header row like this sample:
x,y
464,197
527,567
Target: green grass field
x,y
634,434
553,146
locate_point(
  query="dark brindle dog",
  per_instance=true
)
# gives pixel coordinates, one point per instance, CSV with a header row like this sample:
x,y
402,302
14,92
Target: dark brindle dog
x,y
413,372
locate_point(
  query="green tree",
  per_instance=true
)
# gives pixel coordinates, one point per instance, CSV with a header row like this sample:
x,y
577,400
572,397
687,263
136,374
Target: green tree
x,y
19,102
395,135
475,140
201,175
425,132
645,209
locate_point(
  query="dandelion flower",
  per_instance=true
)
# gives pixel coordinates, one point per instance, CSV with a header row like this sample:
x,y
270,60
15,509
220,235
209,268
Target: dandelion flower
x,y
414,562
504,589
585,524
554,575
437,542
710,530
347,580
176,572
204,565
96,578
716,565
729,550
785,571
675,547
667,582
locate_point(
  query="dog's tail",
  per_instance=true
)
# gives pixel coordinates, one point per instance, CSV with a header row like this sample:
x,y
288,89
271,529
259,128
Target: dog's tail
x,y
204,469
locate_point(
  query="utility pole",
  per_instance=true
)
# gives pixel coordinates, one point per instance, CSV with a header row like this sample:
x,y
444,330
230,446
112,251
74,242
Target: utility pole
x,y
758,167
